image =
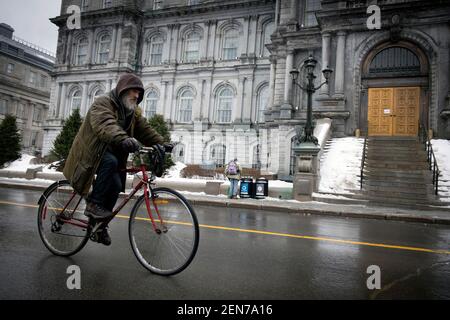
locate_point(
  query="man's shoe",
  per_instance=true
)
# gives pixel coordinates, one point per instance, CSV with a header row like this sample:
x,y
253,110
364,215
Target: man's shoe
x,y
104,237
94,211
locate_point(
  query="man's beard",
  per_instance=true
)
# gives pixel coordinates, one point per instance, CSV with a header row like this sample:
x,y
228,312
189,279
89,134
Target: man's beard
x,y
128,103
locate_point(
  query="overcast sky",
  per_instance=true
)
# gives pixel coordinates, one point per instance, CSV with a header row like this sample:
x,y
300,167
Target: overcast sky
x,y
30,20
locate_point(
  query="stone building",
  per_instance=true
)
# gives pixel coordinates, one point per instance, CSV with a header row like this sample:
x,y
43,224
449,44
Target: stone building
x,y
219,71
25,86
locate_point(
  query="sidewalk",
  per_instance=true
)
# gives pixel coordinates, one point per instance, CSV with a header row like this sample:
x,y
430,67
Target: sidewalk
x,y
441,216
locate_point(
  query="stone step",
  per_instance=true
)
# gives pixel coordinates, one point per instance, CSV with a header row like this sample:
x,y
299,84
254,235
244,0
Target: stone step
x,y
396,173
394,196
397,165
420,190
413,157
401,184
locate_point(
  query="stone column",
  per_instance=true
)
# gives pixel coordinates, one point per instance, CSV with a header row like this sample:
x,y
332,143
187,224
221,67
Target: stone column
x,y
286,108
271,83
237,116
91,51
326,37
340,71
112,49
247,105
69,45
162,98
118,46
84,99
245,48
62,103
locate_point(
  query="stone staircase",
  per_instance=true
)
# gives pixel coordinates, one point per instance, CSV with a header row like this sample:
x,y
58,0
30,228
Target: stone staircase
x,y
396,174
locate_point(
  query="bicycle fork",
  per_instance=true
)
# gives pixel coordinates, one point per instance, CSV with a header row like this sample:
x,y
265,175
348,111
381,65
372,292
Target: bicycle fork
x,y
149,210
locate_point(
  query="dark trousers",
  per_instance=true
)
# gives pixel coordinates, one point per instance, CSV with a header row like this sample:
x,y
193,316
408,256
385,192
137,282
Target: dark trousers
x,y
107,185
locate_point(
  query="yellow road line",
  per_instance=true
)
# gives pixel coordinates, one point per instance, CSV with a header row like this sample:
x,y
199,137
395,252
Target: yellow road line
x,y
380,245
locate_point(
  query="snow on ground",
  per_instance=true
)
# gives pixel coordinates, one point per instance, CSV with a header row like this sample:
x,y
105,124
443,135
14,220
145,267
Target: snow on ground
x,y
174,172
341,165
441,149
22,164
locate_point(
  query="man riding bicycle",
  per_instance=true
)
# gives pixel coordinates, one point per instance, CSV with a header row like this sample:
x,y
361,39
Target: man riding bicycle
x,y
106,137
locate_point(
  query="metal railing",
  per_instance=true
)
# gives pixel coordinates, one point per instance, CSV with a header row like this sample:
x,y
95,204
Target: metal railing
x,y
431,158
363,162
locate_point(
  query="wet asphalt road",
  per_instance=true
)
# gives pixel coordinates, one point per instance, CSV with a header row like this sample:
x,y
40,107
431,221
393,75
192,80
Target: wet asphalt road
x,y
293,257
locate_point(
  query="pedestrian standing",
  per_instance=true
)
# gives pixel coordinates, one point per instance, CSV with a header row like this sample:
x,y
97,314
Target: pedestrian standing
x,y
233,172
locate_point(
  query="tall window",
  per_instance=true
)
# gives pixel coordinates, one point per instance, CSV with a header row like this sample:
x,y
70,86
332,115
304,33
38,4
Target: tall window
x,y
263,100
75,101
156,49
97,93
178,153
107,4
217,154
10,68
185,106
43,83
269,28
256,164
84,5
81,51
310,12
37,114
157,4
3,106
224,105
192,47
151,102
104,43
230,44
33,77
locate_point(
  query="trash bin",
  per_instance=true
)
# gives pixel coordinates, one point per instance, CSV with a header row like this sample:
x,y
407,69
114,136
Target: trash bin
x,y
261,188
246,187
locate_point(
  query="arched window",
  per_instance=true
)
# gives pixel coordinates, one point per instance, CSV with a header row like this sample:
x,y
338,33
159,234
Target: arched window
x,y
256,164
191,47
394,59
104,44
81,51
107,4
230,44
155,50
151,102
263,100
269,28
217,154
185,106
178,153
97,93
75,100
224,105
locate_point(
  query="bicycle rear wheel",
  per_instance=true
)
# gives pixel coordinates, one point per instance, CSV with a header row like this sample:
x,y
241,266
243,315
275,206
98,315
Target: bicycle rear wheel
x,y
172,249
62,226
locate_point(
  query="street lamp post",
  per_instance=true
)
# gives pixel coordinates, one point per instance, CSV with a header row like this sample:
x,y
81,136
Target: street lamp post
x,y
310,64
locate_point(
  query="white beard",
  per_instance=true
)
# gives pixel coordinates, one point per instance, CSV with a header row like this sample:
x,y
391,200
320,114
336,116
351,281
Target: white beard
x,y
131,106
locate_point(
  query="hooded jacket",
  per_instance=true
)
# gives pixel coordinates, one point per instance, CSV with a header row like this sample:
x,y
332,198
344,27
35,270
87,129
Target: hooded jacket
x,y
105,126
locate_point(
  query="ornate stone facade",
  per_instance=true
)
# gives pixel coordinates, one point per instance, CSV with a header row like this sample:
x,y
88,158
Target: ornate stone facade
x,y
219,71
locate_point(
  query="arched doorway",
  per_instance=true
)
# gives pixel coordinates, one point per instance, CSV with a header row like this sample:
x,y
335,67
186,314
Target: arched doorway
x,y
395,84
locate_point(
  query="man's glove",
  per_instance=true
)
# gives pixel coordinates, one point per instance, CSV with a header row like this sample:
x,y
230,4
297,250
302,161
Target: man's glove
x,y
130,145
168,147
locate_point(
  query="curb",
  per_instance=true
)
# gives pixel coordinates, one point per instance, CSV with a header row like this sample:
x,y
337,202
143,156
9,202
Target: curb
x,y
282,209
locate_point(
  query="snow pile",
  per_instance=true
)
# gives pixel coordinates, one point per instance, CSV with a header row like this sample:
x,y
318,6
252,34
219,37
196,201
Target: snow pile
x,y
441,149
22,164
175,171
322,130
341,165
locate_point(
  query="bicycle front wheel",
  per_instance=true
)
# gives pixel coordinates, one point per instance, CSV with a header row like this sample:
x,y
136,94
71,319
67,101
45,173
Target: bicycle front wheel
x,y
167,245
62,226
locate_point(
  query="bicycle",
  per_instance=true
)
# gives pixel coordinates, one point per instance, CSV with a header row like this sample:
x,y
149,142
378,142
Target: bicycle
x,y
164,244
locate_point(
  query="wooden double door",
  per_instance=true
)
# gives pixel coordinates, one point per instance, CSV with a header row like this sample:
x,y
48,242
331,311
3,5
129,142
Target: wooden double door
x,y
393,111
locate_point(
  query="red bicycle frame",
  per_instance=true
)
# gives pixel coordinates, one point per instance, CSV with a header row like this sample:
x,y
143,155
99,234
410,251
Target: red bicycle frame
x,y
144,182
